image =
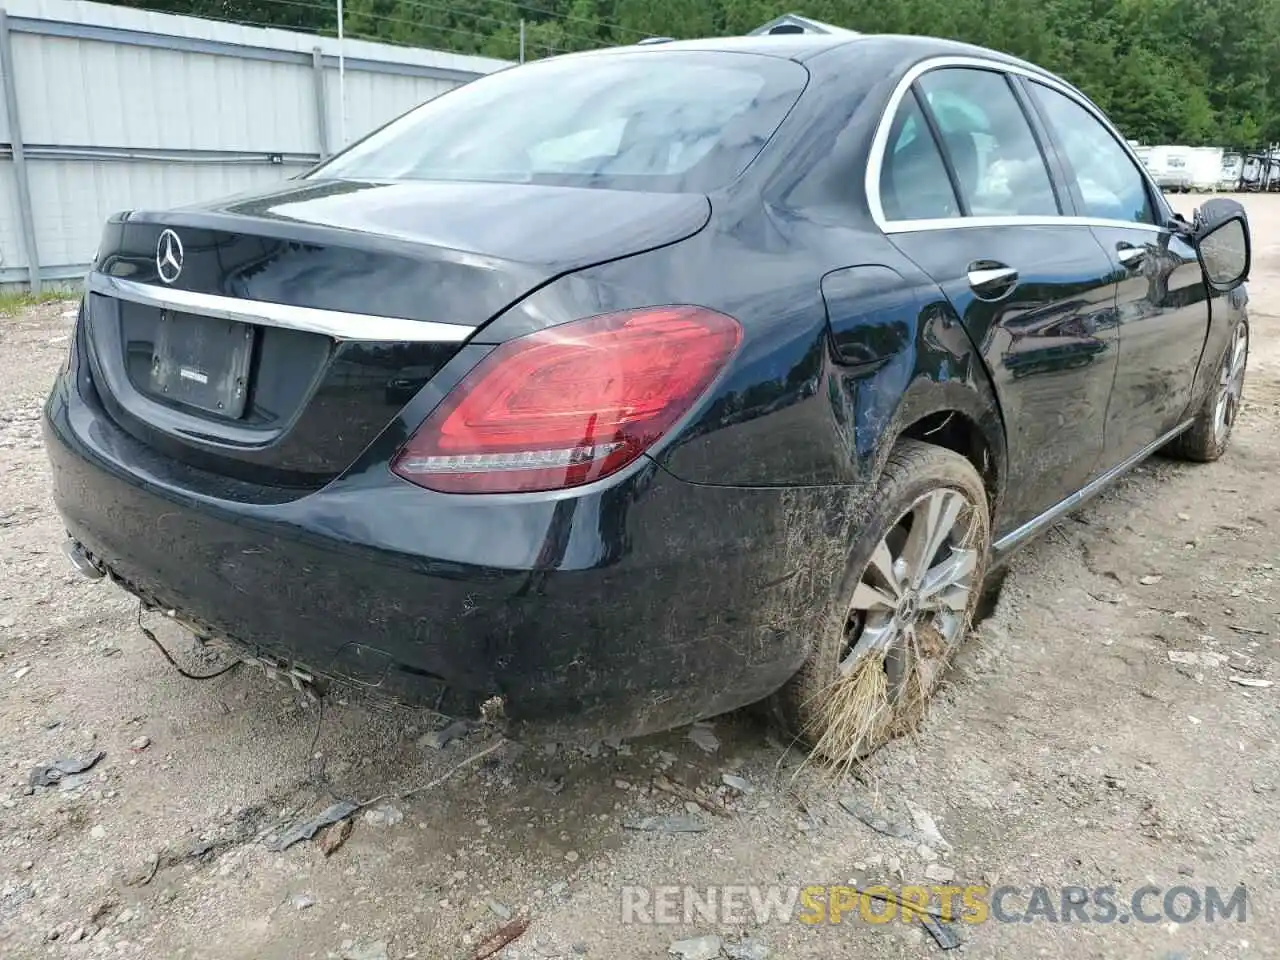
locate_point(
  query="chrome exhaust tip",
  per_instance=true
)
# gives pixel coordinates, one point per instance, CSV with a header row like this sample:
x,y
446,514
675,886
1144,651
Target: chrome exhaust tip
x,y
80,559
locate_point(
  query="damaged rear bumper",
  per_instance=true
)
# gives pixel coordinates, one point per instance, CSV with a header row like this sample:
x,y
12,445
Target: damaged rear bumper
x,y
634,608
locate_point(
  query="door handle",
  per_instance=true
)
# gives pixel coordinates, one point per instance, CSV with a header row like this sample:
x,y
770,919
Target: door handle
x,y
1130,256
991,279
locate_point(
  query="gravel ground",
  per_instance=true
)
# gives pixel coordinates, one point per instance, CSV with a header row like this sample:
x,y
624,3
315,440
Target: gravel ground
x,y
1091,735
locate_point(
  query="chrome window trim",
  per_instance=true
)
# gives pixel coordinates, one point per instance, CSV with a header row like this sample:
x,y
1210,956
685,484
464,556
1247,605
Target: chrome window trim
x,y
330,323
880,141
955,223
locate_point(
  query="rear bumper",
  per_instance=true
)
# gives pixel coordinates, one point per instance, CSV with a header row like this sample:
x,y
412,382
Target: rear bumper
x,y
623,610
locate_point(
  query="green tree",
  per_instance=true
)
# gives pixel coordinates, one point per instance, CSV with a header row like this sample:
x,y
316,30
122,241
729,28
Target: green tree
x,y
1172,71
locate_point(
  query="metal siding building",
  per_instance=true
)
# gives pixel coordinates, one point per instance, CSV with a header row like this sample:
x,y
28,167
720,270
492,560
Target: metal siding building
x,y
121,108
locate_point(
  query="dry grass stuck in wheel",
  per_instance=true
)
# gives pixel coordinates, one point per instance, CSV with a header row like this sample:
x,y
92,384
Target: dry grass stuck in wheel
x,y
857,716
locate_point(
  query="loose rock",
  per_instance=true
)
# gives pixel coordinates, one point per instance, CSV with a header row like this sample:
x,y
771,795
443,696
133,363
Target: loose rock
x,y
747,949
939,872
735,783
703,737
383,815
334,837
376,950
1251,682
697,948
439,739
926,828
1192,658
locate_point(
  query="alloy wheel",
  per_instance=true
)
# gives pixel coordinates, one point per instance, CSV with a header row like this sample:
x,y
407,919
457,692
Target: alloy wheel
x,y
911,605
1231,383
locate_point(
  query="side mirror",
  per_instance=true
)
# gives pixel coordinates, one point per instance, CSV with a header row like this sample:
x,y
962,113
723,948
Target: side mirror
x,y
1221,238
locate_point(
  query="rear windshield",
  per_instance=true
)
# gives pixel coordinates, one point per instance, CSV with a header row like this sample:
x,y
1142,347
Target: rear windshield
x,y
671,121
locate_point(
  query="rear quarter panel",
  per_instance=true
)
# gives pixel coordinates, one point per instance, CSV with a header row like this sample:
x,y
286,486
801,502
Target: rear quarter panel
x,y
836,361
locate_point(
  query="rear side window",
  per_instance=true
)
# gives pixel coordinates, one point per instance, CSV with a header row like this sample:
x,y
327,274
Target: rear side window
x,y
1111,184
913,178
998,164
672,121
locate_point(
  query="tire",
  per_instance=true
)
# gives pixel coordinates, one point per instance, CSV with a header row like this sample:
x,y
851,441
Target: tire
x,y
919,481
1210,433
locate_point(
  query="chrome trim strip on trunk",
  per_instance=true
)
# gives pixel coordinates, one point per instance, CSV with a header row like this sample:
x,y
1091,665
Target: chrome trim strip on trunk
x,y
330,323
1088,491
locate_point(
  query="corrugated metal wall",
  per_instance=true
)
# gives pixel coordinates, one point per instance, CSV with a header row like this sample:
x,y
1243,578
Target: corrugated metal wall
x,y
121,108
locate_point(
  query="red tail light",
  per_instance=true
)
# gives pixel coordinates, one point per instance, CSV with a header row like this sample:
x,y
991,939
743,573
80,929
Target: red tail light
x,y
570,404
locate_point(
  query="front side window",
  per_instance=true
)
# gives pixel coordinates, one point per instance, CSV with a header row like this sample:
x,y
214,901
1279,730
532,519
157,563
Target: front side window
x,y
1111,184
671,121
913,178
998,164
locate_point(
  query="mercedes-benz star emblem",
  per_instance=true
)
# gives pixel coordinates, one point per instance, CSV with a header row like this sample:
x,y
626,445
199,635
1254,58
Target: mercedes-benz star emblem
x,y
169,256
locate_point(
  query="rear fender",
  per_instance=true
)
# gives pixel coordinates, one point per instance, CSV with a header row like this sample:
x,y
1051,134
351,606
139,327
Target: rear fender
x,y
902,356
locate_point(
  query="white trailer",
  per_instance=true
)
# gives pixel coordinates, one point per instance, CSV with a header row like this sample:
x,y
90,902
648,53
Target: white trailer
x,y
1171,166
1204,168
1232,171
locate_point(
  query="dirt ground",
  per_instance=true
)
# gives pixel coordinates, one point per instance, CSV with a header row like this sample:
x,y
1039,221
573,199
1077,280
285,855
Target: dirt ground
x,y
1091,735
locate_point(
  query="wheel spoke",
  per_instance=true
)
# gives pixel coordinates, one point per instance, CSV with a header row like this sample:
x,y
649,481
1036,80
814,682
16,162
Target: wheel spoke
x,y
1220,412
881,568
954,598
950,573
866,597
1236,387
877,635
932,519
1237,355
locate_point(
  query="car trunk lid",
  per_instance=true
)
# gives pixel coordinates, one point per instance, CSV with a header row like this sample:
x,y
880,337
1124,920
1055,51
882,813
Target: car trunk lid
x,y
271,337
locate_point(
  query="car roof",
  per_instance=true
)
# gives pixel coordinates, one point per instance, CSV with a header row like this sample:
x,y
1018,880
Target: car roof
x,y
789,46
885,48
865,55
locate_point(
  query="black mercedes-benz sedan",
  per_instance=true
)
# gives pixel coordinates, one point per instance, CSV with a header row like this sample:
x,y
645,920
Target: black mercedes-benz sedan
x,y
634,386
